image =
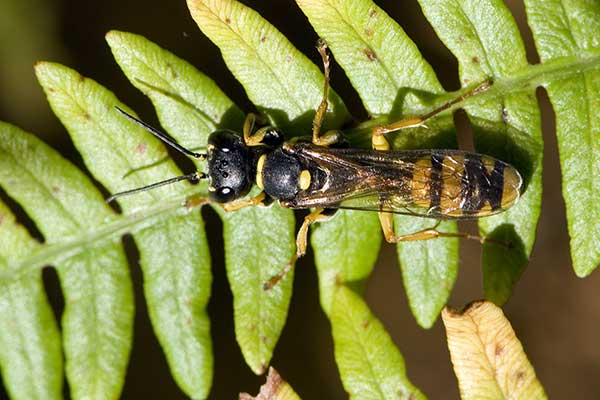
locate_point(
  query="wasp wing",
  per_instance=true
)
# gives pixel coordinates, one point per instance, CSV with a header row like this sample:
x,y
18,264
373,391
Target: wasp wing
x,y
442,184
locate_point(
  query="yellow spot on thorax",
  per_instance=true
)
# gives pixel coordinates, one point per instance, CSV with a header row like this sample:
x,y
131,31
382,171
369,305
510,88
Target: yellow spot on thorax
x,y
259,167
304,179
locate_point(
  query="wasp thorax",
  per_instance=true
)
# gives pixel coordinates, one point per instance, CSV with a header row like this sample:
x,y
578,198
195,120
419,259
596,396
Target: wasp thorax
x,y
281,174
229,166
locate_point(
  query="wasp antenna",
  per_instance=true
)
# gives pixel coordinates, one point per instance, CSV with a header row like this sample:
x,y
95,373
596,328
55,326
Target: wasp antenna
x,y
162,136
193,178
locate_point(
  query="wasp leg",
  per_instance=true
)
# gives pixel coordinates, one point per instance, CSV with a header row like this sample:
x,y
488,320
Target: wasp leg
x,y
387,224
239,204
333,136
322,109
301,242
253,138
378,141
197,201
267,135
249,127
419,120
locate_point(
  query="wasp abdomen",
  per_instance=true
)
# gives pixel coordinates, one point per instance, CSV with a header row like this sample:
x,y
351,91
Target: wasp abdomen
x,y
459,184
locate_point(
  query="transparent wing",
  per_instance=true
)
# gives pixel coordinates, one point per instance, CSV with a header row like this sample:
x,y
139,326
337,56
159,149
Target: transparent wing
x,y
441,184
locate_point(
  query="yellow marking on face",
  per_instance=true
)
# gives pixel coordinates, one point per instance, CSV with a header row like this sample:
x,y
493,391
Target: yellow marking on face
x,y
259,167
421,182
304,179
211,189
453,168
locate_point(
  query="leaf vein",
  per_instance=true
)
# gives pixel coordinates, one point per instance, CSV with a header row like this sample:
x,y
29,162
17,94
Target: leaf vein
x,y
33,177
285,89
383,65
477,35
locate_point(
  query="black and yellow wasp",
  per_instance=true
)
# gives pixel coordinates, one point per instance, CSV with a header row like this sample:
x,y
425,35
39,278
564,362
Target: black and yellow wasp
x,y
324,175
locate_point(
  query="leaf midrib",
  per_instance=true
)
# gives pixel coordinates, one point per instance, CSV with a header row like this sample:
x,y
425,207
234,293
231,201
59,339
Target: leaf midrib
x,y
41,184
160,78
260,294
384,67
299,108
477,36
24,343
366,355
568,24
98,337
550,71
105,133
492,365
74,245
539,74
182,326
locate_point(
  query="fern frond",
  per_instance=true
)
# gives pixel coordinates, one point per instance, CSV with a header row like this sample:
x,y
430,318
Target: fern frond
x,y
82,235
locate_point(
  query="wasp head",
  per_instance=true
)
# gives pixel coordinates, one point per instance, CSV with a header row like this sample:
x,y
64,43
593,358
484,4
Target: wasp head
x,y
230,166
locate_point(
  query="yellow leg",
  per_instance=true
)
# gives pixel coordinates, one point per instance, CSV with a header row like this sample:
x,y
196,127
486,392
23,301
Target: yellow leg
x,y
196,201
301,244
322,109
379,141
239,204
253,138
387,225
249,126
330,137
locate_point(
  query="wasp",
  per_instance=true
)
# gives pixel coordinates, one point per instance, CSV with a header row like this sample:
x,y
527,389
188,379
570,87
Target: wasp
x,y
323,174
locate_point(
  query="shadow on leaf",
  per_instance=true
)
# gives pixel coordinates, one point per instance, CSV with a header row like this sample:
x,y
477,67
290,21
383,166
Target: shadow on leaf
x,y
509,144
502,265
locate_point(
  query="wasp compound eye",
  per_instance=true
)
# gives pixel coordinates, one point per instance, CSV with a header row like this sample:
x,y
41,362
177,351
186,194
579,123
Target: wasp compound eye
x,y
223,194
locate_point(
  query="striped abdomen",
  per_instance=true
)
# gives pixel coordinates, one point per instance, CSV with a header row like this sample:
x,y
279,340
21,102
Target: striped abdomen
x,y
458,184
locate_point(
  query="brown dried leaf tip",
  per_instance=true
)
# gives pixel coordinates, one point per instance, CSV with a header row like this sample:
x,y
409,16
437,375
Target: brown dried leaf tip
x,y
487,356
275,388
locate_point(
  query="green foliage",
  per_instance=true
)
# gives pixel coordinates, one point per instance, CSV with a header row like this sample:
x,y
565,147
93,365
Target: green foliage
x,y
507,126
190,106
345,251
365,41
29,338
279,80
172,245
98,317
188,103
570,33
258,243
428,271
371,367
82,234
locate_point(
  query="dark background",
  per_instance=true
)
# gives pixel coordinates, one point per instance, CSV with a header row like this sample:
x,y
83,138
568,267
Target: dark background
x,y
554,313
